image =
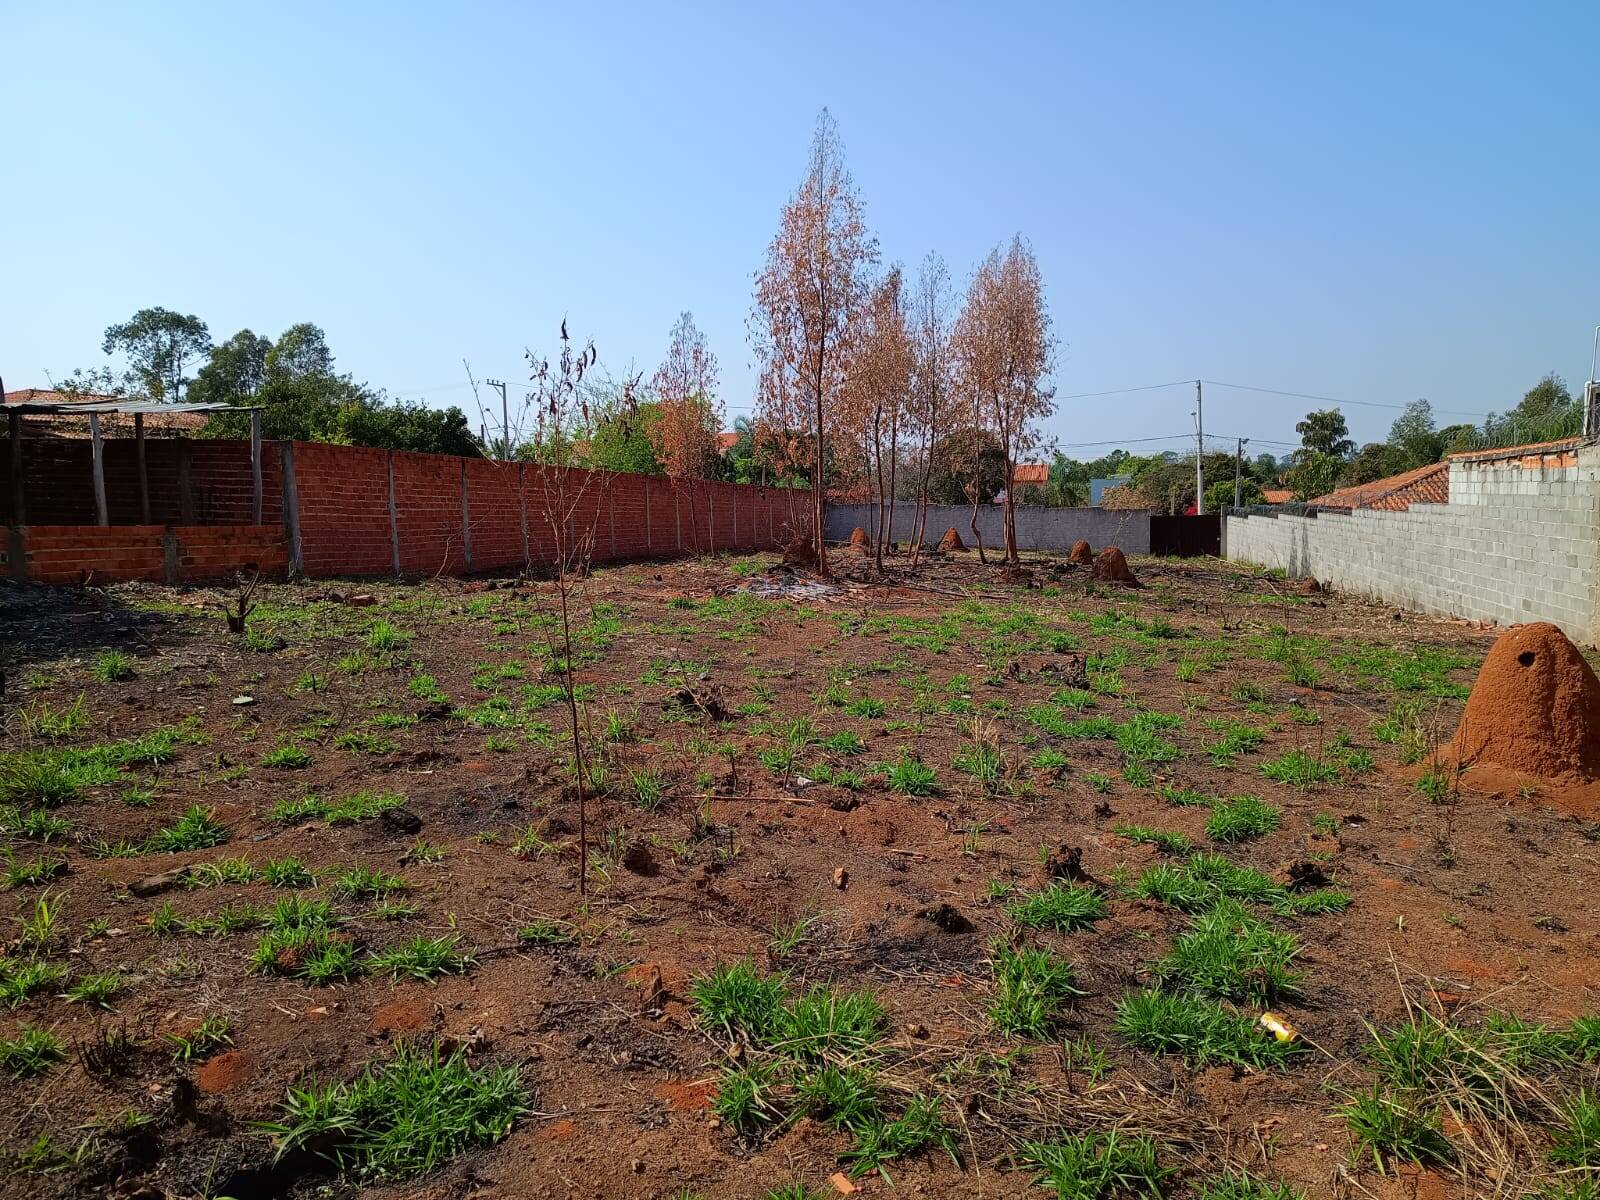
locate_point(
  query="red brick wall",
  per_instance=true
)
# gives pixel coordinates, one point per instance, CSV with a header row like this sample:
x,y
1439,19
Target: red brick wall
x,y
58,479
342,495
64,554
344,515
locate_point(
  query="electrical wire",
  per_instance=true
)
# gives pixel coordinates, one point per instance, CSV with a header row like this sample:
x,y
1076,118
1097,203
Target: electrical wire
x,y
1246,387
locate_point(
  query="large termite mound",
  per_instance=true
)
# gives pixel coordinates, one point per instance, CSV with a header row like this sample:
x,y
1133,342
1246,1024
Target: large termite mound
x,y
1535,708
859,539
1110,566
1082,553
951,541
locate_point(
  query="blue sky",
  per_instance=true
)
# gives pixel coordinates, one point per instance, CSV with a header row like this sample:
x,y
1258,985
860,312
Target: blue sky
x,y
1372,202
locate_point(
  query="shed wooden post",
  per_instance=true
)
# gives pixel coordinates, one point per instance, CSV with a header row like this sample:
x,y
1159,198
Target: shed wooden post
x,y
291,513
144,473
19,512
394,520
255,467
97,449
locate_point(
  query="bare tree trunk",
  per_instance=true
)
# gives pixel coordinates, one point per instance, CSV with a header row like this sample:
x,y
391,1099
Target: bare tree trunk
x,y
977,537
922,490
1011,513
877,466
894,455
818,542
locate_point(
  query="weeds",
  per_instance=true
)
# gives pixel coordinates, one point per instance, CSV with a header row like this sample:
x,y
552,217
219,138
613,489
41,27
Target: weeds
x,y
1201,1031
403,1117
1089,1166
423,958
1394,1127
197,829
112,666
211,1034
1031,986
1062,907
1241,819
31,1052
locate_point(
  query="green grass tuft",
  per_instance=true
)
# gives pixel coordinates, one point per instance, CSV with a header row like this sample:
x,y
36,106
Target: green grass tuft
x,y
404,1117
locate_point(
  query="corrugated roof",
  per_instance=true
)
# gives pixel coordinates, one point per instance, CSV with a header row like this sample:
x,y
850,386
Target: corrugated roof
x,y
1031,473
63,408
1277,495
1429,484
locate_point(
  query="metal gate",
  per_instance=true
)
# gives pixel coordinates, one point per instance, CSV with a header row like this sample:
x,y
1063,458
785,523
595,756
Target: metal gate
x,y
1186,537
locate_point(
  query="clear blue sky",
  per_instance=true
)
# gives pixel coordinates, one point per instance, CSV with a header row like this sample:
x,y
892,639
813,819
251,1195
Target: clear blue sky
x,y
1368,201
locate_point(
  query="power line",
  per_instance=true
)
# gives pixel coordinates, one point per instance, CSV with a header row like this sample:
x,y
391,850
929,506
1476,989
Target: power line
x,y
1245,387
1149,387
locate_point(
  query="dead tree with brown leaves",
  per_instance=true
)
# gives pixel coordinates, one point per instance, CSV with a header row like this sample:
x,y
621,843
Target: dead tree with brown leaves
x,y
1003,345
876,393
688,416
808,299
927,411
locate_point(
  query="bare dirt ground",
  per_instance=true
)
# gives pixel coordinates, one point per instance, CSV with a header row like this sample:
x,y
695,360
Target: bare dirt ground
x,y
933,789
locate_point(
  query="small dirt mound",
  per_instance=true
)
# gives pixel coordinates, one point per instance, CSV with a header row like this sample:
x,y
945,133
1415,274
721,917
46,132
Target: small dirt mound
x,y
1111,566
227,1072
800,553
951,541
1535,708
1081,553
859,539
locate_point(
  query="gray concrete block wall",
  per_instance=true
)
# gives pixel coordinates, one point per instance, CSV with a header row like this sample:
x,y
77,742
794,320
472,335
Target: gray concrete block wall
x,y
1037,528
1514,544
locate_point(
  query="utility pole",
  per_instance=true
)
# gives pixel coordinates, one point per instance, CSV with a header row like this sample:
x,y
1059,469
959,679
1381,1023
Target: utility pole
x,y
1199,453
505,419
1238,465
1591,392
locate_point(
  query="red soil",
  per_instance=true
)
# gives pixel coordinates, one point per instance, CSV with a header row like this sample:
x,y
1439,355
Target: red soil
x,y
226,1072
1112,567
1082,553
402,1016
1535,708
951,541
859,539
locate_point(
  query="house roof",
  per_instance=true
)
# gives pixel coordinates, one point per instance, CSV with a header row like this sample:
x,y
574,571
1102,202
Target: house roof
x,y
1277,495
726,442
1533,450
1429,484
1031,473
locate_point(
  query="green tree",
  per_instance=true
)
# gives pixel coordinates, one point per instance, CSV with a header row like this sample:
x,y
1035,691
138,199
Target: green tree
x,y
1314,474
1166,482
962,457
235,372
1413,441
1455,438
301,352
1325,432
1220,494
302,398
158,345
1546,412
1265,468
1372,461
621,441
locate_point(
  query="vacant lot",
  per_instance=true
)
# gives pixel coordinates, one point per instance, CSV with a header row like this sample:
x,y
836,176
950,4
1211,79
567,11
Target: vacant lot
x,y
976,888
